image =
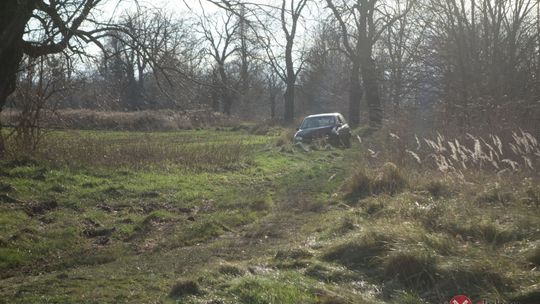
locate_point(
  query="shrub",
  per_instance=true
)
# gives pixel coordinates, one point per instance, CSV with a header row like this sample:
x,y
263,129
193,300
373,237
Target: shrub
x,y
533,256
358,185
292,258
437,188
232,270
262,290
373,207
413,269
492,233
533,196
184,288
347,223
527,297
294,254
485,230
390,180
494,196
471,279
261,204
284,138
148,120
11,258
407,297
360,252
325,273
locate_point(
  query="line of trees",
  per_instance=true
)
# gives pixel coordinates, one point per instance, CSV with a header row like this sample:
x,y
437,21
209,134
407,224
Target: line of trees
x,y
464,63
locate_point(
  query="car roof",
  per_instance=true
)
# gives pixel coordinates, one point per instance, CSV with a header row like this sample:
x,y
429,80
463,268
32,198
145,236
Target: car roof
x,y
324,114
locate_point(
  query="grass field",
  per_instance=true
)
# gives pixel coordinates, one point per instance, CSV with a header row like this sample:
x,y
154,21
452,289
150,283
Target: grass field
x,y
222,216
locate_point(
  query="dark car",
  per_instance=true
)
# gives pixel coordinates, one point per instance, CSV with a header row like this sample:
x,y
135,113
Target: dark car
x,y
331,126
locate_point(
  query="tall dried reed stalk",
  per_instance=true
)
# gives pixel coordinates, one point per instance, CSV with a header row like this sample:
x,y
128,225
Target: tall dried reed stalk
x,y
521,153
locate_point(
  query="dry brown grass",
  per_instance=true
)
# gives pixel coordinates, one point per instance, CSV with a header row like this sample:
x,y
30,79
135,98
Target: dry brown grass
x,y
161,120
517,153
198,150
388,179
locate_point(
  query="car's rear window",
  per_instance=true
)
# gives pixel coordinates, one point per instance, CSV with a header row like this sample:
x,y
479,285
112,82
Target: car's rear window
x,y
319,121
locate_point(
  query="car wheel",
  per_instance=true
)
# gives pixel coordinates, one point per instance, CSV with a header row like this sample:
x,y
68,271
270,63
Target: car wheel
x,y
347,141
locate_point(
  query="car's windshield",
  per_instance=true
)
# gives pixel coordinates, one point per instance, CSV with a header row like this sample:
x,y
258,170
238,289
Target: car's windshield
x,y
319,121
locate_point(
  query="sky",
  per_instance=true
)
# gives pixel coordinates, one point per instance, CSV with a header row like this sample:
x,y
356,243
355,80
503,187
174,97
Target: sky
x,y
113,9
178,6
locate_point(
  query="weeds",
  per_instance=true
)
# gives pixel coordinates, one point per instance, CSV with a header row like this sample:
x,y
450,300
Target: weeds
x,y
184,288
520,153
231,270
327,273
414,269
136,150
389,180
533,256
471,279
495,195
276,229
359,252
407,297
262,290
437,188
163,120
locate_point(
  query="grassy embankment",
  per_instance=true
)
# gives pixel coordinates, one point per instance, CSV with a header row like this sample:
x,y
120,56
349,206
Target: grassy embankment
x,y
228,217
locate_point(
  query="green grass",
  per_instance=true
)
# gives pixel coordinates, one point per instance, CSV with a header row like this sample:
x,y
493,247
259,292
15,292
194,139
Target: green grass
x,y
232,217
266,290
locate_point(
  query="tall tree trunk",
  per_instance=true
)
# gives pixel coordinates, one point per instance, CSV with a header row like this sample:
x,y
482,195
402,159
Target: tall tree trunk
x,y
244,53
371,85
290,81
367,64
14,14
289,103
244,70
226,96
272,105
215,101
214,93
227,101
355,94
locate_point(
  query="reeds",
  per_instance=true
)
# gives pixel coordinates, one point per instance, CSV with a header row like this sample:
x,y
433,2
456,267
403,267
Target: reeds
x,y
520,153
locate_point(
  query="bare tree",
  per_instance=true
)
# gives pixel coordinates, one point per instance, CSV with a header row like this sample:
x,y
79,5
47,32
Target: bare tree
x,y
274,88
57,26
150,44
43,83
219,33
483,52
289,17
280,56
362,23
400,44
243,30
324,78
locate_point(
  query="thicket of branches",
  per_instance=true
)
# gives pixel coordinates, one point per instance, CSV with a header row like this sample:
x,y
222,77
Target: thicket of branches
x,y
423,64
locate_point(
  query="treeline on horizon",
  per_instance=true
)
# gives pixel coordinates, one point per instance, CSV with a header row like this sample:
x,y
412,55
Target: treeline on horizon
x,y
419,64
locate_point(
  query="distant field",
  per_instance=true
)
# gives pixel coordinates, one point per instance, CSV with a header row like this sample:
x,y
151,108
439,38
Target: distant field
x,y
222,216
148,120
